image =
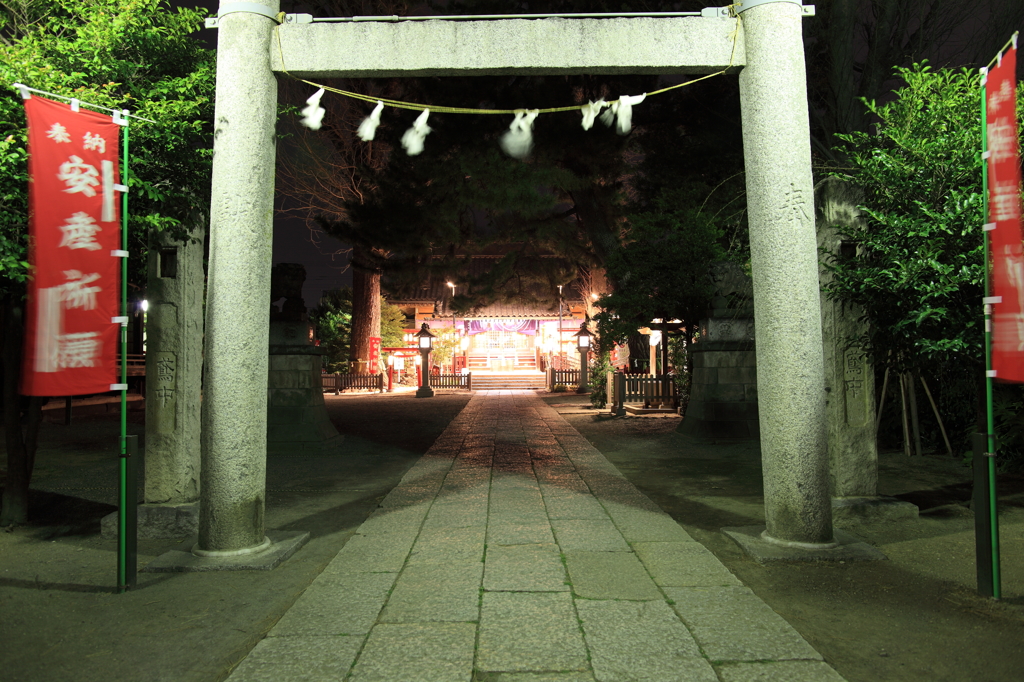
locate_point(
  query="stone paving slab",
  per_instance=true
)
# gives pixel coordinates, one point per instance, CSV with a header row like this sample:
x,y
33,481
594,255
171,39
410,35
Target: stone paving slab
x,y
683,564
525,568
638,525
733,624
522,631
609,575
417,652
572,505
534,677
513,551
348,604
642,641
588,534
385,552
513,532
405,520
772,671
302,659
445,545
435,592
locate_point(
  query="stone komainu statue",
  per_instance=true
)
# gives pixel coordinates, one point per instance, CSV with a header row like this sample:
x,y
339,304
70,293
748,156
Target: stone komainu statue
x,y
286,280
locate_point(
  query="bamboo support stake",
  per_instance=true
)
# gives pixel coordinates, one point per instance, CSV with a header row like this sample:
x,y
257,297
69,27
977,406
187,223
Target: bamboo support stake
x,y
906,426
938,417
881,402
915,421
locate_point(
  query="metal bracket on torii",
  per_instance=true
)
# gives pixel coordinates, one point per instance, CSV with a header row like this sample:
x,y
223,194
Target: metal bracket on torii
x,y
255,8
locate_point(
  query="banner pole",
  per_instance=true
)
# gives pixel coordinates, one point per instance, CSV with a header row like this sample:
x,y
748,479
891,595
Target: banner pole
x,y
123,579
989,416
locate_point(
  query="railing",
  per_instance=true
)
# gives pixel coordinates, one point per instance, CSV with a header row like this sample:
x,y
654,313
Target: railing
x,y
566,361
503,362
136,363
452,381
565,377
643,388
340,382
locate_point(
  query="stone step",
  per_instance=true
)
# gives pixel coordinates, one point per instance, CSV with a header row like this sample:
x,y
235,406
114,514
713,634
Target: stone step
x,y
492,381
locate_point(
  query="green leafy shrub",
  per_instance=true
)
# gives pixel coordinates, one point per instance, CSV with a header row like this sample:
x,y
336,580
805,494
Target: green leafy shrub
x,y
599,381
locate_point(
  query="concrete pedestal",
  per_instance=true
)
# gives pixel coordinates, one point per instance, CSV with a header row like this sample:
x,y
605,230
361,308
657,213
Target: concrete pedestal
x,y
723,393
297,421
281,546
848,512
763,550
158,521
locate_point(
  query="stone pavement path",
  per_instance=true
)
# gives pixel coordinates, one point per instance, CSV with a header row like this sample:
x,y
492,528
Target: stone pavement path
x,y
513,551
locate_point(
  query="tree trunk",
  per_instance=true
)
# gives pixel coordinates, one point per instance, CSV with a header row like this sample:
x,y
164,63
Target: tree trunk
x,y
599,224
365,309
20,441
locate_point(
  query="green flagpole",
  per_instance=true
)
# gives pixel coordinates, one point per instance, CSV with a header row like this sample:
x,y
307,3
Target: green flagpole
x,y
123,578
990,416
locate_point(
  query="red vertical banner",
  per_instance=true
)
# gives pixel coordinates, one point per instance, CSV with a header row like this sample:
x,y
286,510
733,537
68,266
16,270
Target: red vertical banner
x,y
374,354
1004,215
74,240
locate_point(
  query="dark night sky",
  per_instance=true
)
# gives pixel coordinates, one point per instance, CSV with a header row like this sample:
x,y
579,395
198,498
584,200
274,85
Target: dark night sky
x,y
294,242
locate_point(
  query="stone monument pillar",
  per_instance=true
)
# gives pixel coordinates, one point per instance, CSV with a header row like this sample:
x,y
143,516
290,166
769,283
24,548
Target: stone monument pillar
x,y
849,377
174,365
784,263
234,440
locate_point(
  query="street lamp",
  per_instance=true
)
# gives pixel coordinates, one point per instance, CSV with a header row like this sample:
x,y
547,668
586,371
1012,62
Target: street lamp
x,y
583,338
560,326
653,340
454,330
424,341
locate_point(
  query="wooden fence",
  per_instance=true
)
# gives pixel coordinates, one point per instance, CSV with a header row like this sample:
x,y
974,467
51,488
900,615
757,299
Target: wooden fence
x,y
135,363
641,388
565,377
340,382
452,381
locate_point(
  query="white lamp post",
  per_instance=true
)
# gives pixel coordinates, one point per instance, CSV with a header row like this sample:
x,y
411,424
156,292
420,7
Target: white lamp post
x,y
583,338
454,330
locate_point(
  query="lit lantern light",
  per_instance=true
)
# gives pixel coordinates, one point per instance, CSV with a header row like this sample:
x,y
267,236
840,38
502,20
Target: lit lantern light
x,y
583,340
425,342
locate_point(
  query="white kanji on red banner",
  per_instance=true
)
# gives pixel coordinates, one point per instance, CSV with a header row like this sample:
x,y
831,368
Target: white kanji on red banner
x,y
71,339
1004,212
80,232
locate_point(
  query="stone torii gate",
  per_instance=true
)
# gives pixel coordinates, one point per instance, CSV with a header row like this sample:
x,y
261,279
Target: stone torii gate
x,y
776,140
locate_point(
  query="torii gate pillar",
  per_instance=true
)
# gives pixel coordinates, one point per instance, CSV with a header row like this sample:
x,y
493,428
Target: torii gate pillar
x,y
784,268
234,436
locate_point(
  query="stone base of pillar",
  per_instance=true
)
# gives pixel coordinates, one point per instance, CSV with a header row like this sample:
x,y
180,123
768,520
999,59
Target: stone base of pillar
x,y
848,512
849,548
283,544
424,392
158,521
